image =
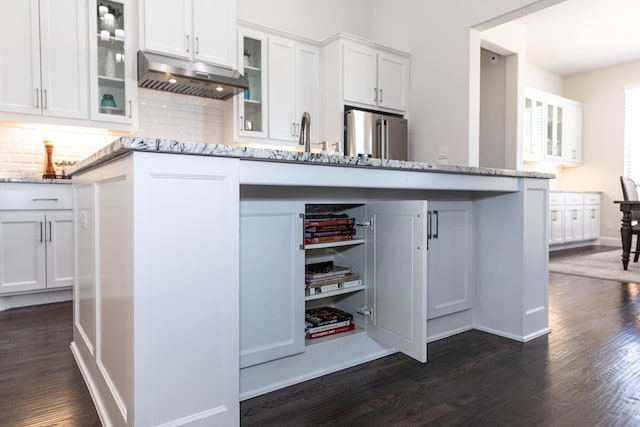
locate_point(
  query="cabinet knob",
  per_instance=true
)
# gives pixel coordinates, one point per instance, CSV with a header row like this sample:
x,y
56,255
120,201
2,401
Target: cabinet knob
x,y
188,43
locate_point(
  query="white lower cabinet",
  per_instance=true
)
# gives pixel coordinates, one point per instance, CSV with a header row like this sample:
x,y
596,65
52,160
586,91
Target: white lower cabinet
x,y
36,237
271,281
36,251
388,251
573,217
450,258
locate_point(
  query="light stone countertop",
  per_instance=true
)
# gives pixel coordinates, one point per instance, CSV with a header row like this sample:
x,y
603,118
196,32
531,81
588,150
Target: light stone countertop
x,y
35,181
124,145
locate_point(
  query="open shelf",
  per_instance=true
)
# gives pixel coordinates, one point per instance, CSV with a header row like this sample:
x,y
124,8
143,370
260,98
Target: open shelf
x,y
335,244
329,294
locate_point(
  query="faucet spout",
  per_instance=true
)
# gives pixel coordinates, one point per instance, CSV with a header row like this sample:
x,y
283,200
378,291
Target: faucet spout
x,y
305,131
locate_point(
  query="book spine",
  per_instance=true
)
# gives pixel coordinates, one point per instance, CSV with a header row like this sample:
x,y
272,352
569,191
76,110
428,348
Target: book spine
x,y
324,288
328,239
316,223
349,232
326,327
328,332
315,324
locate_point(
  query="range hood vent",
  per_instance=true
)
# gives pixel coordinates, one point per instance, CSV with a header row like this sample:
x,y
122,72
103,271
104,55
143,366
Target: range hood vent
x,y
170,74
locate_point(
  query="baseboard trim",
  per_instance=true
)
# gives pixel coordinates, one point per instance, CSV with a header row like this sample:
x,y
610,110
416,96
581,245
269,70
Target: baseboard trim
x,y
35,298
93,391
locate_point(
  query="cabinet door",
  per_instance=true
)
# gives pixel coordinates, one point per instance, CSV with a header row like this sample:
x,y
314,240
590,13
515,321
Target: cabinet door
x,y
63,50
252,111
591,215
307,87
573,224
450,258
556,225
59,243
214,42
20,66
573,134
533,129
168,27
282,89
393,81
359,74
397,276
22,252
271,281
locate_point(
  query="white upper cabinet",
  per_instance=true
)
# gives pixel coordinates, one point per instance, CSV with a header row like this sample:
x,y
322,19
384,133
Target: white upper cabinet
x,y
552,128
294,69
44,68
191,29
374,77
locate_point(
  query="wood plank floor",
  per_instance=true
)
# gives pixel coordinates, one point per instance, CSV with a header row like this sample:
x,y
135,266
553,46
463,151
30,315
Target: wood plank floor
x,y
585,373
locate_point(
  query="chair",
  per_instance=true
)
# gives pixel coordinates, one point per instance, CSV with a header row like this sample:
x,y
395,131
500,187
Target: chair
x,y
630,193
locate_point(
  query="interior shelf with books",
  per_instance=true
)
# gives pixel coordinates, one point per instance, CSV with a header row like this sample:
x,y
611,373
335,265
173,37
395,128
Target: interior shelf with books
x,y
334,270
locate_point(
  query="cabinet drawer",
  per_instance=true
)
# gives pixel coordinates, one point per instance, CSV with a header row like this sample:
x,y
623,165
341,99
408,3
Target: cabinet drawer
x,y
18,196
592,198
556,198
573,199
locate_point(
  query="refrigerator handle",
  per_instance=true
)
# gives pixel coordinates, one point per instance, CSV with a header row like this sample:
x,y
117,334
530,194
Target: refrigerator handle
x,y
386,138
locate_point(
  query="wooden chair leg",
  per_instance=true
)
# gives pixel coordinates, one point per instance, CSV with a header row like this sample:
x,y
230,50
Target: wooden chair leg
x,y
637,254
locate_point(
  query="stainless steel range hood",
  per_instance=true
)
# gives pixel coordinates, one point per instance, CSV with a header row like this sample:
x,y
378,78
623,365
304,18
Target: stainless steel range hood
x,y
178,75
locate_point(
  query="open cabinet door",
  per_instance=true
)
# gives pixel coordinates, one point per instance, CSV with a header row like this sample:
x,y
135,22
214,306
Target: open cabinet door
x,y
397,275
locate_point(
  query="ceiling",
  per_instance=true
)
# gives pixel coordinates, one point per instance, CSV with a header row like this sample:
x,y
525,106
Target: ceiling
x,y
575,36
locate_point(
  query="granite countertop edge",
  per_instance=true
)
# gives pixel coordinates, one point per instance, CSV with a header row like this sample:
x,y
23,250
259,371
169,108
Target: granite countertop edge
x,y
124,145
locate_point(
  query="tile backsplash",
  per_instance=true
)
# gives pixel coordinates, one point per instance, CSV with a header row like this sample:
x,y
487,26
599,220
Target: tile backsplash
x,y
160,115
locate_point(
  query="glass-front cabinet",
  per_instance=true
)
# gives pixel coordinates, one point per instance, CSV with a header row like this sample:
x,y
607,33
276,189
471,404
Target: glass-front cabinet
x,y
533,128
111,59
252,104
554,131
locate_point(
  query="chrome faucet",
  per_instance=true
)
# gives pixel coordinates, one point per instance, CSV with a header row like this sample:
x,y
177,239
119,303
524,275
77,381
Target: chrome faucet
x,y
305,131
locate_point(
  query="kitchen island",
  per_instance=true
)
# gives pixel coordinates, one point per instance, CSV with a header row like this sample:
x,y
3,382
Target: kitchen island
x,y
190,269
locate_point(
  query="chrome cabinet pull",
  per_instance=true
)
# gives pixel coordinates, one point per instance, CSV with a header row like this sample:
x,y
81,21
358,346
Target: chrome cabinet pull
x,y
241,123
375,94
197,45
50,239
188,43
130,109
303,230
437,217
44,99
40,231
37,98
293,129
45,200
380,95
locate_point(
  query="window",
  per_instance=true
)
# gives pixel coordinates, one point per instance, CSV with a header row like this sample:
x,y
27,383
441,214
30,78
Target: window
x,y
632,133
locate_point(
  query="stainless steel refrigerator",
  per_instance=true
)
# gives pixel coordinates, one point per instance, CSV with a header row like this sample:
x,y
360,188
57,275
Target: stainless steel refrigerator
x,y
369,134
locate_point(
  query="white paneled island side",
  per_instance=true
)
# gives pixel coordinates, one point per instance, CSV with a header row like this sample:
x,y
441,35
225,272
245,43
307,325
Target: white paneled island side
x,y
190,269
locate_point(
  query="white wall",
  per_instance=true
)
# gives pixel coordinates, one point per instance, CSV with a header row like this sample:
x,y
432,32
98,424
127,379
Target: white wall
x,y
541,79
602,95
313,19
492,109
445,73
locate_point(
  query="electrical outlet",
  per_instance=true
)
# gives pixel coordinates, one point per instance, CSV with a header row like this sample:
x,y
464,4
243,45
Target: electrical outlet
x,y
609,225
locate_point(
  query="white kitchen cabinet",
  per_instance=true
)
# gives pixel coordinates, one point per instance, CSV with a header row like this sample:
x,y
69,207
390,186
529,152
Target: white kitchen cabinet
x,y
203,30
294,86
552,128
44,68
591,216
450,257
36,238
556,217
253,113
574,217
374,77
271,281
113,84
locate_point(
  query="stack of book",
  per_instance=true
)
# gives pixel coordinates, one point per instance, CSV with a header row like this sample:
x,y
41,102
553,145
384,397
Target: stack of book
x,y
327,228
325,321
326,277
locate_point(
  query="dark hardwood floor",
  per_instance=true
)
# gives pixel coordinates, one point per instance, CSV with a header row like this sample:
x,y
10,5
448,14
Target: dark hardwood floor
x,y
585,373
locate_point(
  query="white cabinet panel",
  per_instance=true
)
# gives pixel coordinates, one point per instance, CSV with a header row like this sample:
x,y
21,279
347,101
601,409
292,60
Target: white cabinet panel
x,y
22,252
450,258
191,29
47,73
393,81
397,276
271,281
307,92
591,215
282,89
556,224
59,240
573,226
359,74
